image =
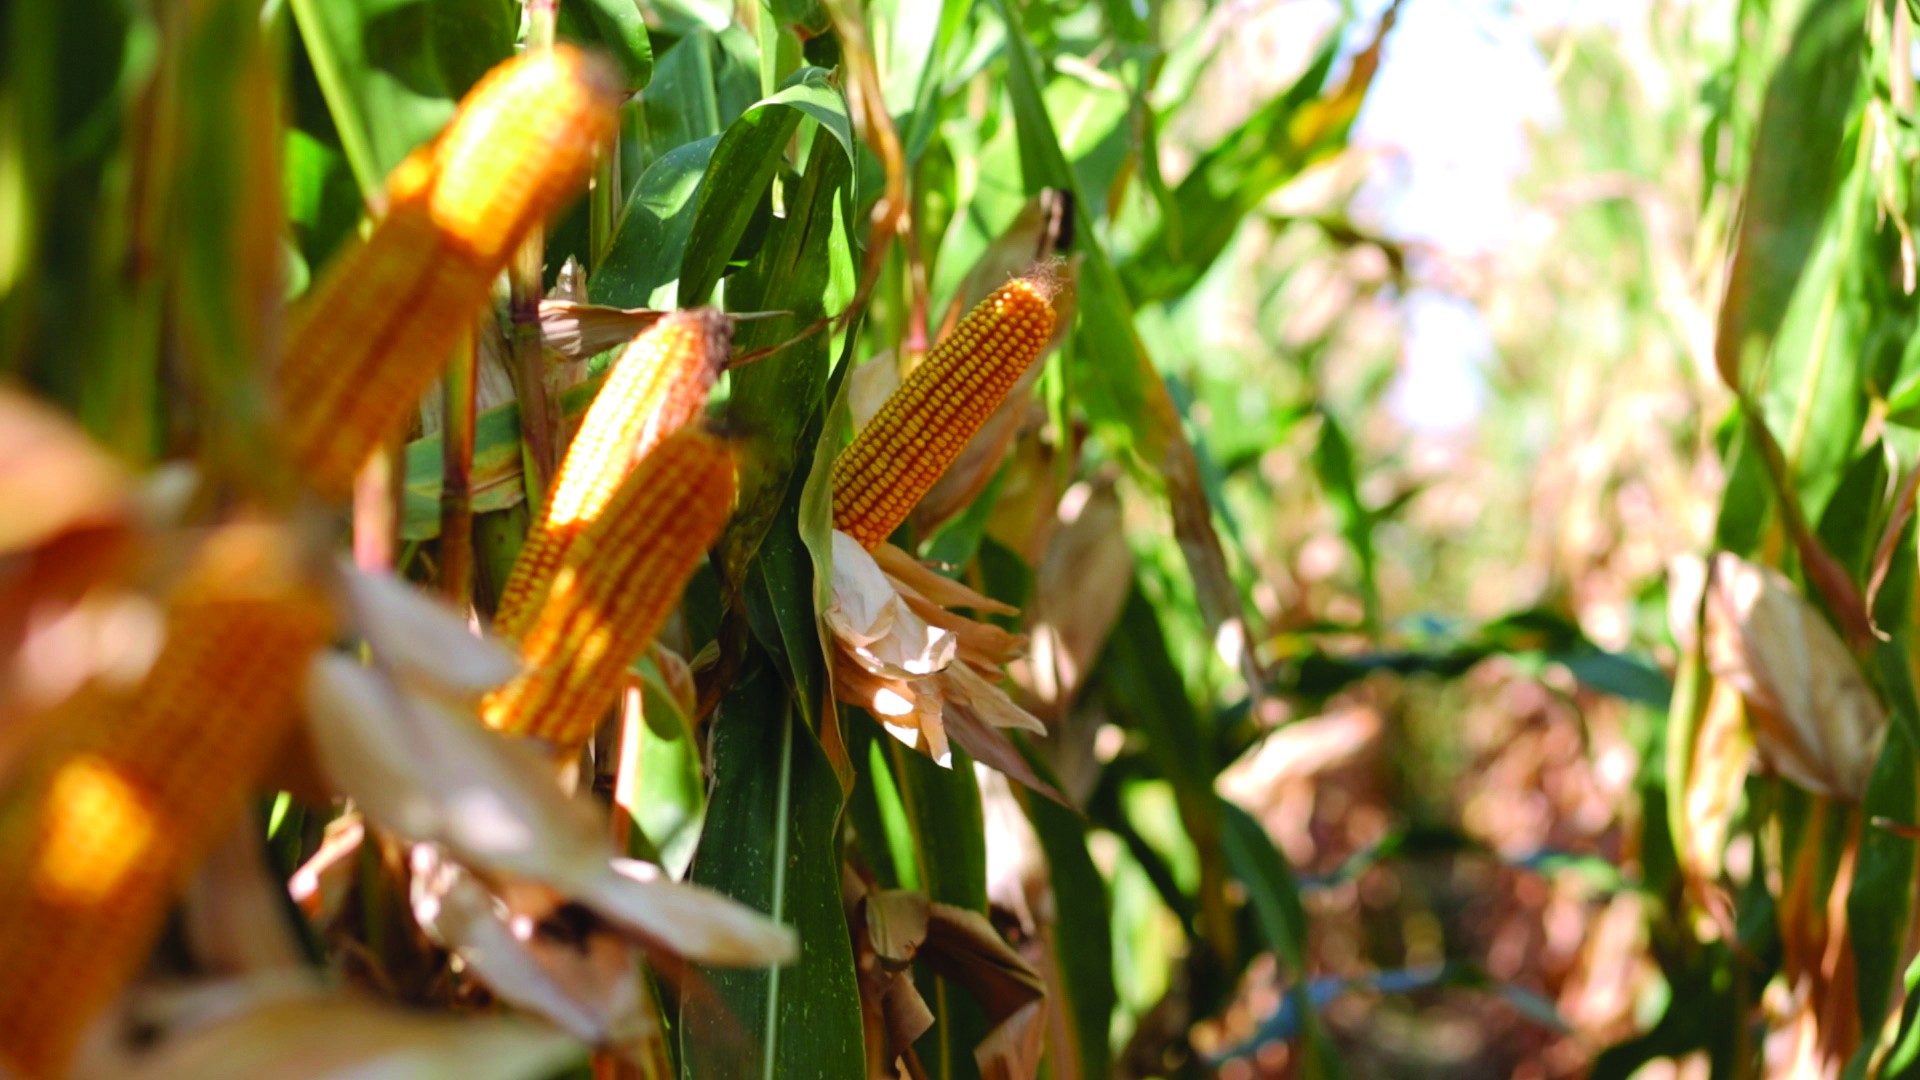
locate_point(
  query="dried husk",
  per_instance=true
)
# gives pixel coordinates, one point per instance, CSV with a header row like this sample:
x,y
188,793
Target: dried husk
x,y
1814,718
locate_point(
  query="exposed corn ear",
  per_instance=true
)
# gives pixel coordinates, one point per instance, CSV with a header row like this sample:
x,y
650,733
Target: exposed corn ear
x,y
657,386
103,821
376,329
616,583
925,424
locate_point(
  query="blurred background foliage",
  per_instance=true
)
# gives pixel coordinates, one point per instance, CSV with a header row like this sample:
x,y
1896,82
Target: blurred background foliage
x,y
1353,526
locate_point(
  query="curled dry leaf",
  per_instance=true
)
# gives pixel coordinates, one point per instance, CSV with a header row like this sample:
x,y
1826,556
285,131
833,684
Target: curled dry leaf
x,y
888,928
1814,718
578,331
535,951
431,774
312,1034
428,644
687,920
894,927
435,775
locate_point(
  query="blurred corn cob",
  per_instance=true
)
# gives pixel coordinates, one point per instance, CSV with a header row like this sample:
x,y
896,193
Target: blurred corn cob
x,y
925,424
616,583
377,328
101,826
657,386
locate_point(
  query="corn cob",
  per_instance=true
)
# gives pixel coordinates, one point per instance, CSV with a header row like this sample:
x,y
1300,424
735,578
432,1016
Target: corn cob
x,y
376,329
615,586
657,386
106,817
925,424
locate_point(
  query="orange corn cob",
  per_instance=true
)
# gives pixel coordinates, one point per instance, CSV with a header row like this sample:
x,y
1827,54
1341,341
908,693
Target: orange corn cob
x,y
375,331
918,432
616,584
103,820
657,386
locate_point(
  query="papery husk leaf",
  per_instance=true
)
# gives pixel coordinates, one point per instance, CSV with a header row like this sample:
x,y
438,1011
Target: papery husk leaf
x,y
427,643
337,1036
991,747
963,946
980,459
432,775
578,331
967,689
873,623
908,572
980,644
234,924
869,387
1815,720
1080,588
687,919
585,980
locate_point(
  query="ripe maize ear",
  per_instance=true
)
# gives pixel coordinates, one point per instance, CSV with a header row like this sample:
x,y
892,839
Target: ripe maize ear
x,y
105,817
657,386
616,584
377,328
925,424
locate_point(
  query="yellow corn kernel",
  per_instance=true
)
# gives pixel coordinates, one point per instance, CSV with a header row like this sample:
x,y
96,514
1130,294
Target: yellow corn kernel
x,y
376,329
657,386
616,584
925,424
109,812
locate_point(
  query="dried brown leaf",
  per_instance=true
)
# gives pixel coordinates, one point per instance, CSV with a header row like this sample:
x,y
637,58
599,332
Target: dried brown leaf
x,y
963,946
